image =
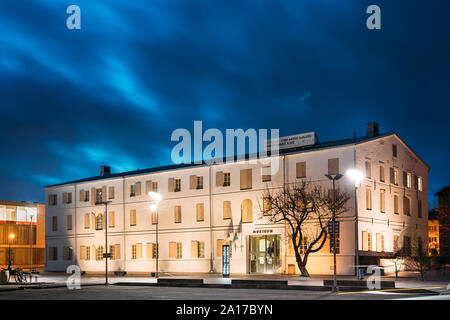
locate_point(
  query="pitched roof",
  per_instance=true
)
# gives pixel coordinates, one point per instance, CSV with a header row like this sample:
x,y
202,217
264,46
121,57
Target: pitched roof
x,y
310,148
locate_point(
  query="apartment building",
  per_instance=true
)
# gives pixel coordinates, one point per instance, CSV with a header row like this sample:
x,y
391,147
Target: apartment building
x,y
22,234
206,206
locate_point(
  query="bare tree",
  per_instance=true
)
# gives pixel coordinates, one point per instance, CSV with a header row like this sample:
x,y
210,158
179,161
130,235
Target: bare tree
x,y
306,208
415,256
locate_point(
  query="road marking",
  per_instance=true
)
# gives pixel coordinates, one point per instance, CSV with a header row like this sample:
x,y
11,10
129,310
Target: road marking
x,y
390,290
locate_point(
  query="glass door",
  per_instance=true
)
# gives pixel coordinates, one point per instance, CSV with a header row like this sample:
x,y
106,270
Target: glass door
x,y
264,253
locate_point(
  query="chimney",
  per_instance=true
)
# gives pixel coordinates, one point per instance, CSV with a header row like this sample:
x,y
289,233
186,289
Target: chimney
x,y
105,171
372,129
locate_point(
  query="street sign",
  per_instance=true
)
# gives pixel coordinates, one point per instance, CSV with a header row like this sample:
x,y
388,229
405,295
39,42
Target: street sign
x,y
107,255
333,228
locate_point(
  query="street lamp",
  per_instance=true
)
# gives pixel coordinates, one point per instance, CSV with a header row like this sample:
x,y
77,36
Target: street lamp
x,y
106,255
334,179
156,197
356,176
11,238
31,245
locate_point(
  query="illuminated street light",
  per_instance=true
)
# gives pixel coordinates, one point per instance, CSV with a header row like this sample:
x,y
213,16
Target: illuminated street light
x,y
334,179
356,176
156,197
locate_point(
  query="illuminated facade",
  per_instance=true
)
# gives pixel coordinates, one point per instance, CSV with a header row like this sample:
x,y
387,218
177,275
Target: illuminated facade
x,y
206,206
22,234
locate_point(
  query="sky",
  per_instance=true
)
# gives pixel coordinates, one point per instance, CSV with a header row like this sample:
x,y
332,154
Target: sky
x,y
112,92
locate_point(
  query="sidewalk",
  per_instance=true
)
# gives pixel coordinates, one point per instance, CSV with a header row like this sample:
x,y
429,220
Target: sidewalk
x,y
59,279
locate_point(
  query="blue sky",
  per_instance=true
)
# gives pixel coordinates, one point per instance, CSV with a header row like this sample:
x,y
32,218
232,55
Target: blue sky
x,y
113,92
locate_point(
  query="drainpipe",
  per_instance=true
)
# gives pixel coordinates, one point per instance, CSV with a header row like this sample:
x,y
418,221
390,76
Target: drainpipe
x,y
356,218
124,226
211,263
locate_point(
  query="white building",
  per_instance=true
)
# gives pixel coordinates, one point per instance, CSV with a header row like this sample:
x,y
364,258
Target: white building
x,y
205,206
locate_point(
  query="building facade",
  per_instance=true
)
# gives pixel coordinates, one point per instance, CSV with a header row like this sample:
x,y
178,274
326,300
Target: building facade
x,y
22,234
206,206
433,233
444,221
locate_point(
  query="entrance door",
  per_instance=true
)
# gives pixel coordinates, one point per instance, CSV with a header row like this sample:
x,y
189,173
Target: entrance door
x,y
264,253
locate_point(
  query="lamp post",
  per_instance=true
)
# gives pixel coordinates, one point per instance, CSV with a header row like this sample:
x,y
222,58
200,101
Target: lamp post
x,y
356,176
334,179
156,197
31,246
106,255
11,237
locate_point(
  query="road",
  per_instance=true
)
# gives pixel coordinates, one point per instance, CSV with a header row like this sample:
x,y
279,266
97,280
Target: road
x,y
181,293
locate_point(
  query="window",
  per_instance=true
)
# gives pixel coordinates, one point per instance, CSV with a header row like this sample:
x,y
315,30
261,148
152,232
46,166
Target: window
x,y
408,180
246,179
382,177
111,193
200,211
151,186
69,222
99,253
175,250
177,185
135,189
396,210
368,170
266,173
154,218
136,251
84,195
151,250
195,182
67,197
112,251
394,176
368,198
54,223
111,219
380,242
67,253
227,209
419,208
406,206
99,222
53,253
52,199
226,179
197,249
267,207
133,217
383,200
87,223
247,211
98,195
85,253
395,243
177,212
367,241
394,150
333,166
419,183
199,182
300,169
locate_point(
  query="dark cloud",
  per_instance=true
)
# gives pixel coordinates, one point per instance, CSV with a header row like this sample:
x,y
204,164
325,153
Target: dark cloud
x,y
113,92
